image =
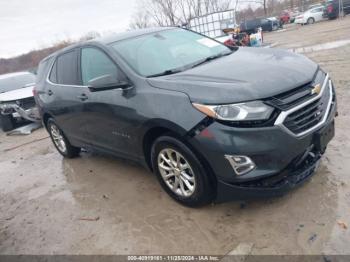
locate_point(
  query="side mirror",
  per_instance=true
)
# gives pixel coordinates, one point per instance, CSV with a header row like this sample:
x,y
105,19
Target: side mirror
x,y
106,82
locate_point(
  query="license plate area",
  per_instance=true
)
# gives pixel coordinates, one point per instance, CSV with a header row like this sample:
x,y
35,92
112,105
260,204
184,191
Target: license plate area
x,y
323,137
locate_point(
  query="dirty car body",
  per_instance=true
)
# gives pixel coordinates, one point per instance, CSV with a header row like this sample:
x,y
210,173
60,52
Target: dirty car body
x,y
245,122
16,99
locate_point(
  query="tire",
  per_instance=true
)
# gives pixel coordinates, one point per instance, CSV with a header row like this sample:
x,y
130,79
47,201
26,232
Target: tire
x,y
202,190
310,20
60,141
7,122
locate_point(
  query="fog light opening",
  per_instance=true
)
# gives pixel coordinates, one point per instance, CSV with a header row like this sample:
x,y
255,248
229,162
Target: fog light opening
x,y
241,164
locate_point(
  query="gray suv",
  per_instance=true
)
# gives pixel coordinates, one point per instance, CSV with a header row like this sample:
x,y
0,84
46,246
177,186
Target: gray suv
x,y
213,123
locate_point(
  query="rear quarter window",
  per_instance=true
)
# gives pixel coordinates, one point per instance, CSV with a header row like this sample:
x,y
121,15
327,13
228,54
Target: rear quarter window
x,y
43,69
53,73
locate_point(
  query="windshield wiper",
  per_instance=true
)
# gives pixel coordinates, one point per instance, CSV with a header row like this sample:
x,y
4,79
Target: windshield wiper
x,y
166,72
209,58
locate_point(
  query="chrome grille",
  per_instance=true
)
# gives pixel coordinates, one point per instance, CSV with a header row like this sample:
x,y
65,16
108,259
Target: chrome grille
x,y
310,114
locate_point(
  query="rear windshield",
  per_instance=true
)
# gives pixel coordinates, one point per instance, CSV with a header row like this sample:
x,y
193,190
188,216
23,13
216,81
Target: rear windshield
x,y
15,81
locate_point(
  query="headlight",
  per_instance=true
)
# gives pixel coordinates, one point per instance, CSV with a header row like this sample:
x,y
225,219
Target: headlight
x,y
249,111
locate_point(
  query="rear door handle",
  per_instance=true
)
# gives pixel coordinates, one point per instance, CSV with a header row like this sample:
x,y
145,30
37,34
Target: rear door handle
x,y
82,97
50,93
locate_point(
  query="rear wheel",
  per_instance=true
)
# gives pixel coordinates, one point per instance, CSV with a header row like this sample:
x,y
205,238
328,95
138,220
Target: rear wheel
x,y
180,172
7,122
310,20
60,141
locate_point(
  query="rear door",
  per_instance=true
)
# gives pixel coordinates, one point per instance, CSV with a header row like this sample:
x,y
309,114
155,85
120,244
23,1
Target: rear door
x,y
68,96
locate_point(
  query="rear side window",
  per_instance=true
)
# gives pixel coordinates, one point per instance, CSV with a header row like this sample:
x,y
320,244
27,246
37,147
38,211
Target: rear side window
x,y
67,68
95,63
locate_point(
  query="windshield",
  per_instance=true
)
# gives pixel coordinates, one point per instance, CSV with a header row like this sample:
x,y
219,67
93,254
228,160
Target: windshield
x,y
15,81
167,51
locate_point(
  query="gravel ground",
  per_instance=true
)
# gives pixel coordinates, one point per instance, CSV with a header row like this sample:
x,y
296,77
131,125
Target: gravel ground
x,y
102,205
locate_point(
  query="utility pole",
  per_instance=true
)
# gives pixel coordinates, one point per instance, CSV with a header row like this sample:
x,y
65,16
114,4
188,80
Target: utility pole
x,y
340,9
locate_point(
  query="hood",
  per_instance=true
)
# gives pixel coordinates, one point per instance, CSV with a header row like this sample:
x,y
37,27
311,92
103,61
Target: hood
x,y
247,74
17,94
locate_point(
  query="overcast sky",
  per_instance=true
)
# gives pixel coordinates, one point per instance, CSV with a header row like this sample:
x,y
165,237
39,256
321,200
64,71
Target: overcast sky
x,y
32,24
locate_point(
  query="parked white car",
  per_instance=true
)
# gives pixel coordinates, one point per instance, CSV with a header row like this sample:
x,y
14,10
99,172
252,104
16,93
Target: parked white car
x,y
16,99
310,16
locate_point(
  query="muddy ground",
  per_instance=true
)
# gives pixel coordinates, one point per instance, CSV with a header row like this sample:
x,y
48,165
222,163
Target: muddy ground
x,y
102,205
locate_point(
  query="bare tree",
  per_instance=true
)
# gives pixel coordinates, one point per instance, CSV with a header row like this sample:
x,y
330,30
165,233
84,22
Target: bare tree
x,y
141,19
177,12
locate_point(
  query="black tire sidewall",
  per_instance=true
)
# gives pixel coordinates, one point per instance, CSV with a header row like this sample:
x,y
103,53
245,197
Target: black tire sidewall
x,y
310,21
204,189
7,122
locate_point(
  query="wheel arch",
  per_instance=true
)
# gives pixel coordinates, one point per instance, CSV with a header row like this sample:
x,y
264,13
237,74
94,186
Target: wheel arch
x,y
173,130
46,117
155,129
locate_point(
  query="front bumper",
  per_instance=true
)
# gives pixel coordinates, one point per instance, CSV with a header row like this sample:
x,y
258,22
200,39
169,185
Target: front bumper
x,y
274,186
31,114
282,160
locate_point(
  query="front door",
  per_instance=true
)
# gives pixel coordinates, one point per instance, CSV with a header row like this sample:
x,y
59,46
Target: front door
x,y
107,112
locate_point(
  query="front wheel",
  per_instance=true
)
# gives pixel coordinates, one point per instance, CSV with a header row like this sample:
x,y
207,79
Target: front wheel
x,y
310,21
60,141
180,172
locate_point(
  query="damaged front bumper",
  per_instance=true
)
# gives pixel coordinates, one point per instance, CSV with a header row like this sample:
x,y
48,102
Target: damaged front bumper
x,y
273,186
31,114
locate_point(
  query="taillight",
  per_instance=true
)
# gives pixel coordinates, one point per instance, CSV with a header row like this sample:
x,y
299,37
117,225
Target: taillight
x,y
34,91
330,9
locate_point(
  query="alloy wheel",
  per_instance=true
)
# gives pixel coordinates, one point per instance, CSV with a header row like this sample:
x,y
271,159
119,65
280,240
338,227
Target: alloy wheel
x,y
57,138
176,172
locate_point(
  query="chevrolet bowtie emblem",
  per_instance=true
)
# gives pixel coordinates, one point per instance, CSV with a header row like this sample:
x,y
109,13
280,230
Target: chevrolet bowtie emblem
x,y
316,89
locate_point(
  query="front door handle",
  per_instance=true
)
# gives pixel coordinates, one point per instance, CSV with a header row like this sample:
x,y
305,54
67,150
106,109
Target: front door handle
x,y
82,97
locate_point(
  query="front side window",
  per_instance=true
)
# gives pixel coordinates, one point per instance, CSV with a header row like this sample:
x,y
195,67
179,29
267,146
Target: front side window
x,y
158,52
95,63
67,68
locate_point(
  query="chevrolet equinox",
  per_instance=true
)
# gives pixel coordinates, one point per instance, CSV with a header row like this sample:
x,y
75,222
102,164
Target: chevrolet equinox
x,y
213,123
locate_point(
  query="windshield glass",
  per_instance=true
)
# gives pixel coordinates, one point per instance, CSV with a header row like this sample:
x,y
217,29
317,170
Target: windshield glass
x,y
15,81
167,50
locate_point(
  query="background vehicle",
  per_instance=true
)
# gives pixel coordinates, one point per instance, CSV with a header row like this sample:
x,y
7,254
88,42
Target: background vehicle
x,y
16,99
276,24
284,17
331,10
310,16
294,14
251,26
